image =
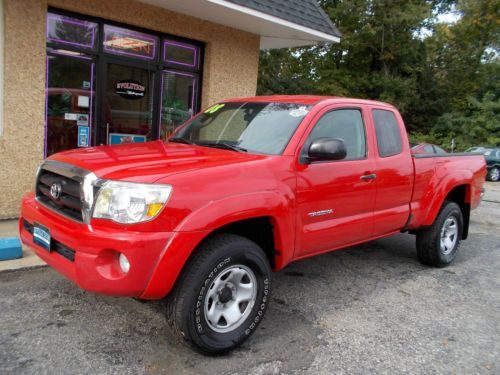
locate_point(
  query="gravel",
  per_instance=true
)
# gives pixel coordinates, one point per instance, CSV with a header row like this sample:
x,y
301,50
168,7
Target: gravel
x,y
368,309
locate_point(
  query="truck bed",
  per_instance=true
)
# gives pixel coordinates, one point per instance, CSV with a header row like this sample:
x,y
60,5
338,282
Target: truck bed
x,y
435,174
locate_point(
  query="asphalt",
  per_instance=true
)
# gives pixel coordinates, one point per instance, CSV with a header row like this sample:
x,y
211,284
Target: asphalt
x,y
370,309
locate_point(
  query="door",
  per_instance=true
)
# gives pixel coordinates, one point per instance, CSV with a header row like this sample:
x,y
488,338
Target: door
x,y
70,98
127,104
336,198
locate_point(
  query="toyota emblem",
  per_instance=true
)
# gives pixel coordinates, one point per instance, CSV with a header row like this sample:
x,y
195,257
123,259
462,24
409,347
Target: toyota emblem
x,y
55,190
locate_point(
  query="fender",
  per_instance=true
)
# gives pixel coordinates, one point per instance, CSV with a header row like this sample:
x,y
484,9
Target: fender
x,y
215,214
447,184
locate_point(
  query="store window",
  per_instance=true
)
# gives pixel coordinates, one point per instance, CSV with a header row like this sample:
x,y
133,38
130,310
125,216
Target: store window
x,y
69,101
110,84
72,32
180,54
178,100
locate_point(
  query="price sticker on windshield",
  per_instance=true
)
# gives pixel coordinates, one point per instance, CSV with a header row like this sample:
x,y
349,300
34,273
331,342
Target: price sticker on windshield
x,y
299,112
214,108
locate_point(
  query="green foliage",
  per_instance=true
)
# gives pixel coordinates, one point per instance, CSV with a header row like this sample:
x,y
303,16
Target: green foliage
x,y
477,124
443,77
58,105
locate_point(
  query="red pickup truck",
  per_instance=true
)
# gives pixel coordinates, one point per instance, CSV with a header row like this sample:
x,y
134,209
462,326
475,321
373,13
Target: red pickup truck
x,y
242,189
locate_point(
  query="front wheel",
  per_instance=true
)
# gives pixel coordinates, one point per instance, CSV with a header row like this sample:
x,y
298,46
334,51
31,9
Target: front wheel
x,y
222,295
493,174
438,245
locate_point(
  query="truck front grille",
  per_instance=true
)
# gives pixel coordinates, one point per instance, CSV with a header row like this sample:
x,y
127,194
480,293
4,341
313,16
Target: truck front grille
x,y
58,187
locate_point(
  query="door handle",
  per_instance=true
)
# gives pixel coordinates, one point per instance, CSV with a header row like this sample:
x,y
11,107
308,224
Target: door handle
x,y
368,177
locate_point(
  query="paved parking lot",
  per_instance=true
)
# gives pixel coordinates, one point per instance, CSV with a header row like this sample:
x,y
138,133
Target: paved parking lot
x,y
368,309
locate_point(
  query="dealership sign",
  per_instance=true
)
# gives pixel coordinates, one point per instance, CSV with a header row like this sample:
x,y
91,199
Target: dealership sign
x,y
130,89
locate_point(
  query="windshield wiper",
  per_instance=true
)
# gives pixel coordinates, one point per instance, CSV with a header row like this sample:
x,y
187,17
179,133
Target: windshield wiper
x,y
225,146
181,140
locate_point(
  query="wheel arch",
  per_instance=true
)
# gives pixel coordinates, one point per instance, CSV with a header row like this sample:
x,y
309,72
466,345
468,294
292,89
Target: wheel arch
x,y
461,195
266,220
262,230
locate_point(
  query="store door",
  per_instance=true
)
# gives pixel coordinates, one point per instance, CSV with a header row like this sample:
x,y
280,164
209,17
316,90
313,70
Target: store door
x,y
111,84
127,110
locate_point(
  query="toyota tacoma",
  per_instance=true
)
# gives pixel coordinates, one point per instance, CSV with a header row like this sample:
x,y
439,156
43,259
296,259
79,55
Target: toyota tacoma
x,y
239,191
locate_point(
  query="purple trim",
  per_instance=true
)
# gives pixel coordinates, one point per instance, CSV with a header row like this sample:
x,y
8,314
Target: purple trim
x,y
74,21
46,106
91,96
71,55
179,73
181,45
86,24
125,32
192,97
161,107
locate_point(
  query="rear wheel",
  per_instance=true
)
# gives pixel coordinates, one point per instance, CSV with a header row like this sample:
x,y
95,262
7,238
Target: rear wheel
x,y
222,295
493,174
438,245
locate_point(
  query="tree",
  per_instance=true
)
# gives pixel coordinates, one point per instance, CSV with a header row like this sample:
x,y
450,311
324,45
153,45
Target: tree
x,y
438,74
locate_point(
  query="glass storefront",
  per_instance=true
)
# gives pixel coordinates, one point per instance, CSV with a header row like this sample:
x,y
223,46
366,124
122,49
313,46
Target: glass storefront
x,y
109,84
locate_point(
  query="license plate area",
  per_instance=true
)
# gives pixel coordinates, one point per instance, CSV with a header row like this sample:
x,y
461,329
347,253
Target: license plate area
x,y
41,236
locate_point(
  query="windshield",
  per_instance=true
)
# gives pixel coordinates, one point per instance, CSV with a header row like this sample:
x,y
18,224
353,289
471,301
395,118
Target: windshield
x,y
256,127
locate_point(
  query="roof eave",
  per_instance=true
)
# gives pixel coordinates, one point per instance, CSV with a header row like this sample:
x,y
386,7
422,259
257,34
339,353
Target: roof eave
x,y
274,32
309,36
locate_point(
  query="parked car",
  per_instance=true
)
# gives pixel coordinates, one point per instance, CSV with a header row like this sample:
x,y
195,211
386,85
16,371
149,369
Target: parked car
x,y
476,149
243,188
492,156
426,148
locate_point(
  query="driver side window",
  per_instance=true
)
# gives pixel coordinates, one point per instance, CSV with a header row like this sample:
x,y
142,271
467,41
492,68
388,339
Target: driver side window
x,y
346,124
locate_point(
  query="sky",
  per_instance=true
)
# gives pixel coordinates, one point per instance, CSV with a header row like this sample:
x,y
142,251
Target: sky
x,y
448,17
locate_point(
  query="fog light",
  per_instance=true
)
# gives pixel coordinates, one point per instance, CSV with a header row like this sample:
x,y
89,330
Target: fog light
x,y
124,263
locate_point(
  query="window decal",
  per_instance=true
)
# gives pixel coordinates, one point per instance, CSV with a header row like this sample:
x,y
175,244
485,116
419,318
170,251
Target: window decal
x,y
126,42
130,89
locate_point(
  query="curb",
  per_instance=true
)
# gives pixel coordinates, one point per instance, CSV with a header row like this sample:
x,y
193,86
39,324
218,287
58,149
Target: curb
x,y
10,248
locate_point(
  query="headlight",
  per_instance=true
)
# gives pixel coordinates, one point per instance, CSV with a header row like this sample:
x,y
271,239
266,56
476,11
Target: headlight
x,y
129,202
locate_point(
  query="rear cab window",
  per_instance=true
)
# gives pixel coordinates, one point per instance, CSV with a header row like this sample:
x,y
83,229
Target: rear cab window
x,y
388,133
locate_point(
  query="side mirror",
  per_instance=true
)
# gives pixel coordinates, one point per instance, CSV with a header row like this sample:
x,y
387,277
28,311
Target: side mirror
x,y
322,149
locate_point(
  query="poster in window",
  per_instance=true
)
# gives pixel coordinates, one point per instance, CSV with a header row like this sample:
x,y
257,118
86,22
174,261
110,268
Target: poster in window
x,y
121,138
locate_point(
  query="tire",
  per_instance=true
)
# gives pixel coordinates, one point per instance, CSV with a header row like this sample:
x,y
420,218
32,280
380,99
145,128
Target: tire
x,y
493,174
203,308
431,250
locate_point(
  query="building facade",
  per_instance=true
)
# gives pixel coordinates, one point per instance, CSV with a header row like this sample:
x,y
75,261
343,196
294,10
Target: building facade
x,y
87,73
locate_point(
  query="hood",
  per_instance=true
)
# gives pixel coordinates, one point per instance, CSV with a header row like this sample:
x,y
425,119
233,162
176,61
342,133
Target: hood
x,y
150,161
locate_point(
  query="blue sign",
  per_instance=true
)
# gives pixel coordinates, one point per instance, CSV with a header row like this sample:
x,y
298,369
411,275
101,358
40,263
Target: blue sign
x,y
120,138
83,136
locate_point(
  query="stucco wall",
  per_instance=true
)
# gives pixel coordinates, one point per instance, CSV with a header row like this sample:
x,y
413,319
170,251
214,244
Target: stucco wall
x,y
230,70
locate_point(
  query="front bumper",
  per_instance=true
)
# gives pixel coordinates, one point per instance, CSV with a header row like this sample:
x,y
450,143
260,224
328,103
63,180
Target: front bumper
x,y
88,255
